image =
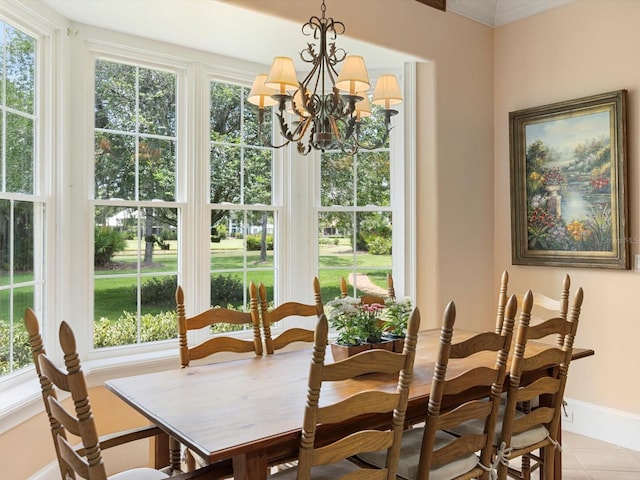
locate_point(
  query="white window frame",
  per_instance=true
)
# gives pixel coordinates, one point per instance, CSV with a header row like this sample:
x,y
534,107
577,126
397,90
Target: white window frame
x,y
66,113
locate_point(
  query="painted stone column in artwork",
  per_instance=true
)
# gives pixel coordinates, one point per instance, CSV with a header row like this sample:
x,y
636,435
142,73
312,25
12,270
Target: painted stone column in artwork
x,y
553,200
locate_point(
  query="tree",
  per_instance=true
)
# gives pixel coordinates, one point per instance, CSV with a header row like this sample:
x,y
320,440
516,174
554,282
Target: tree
x,y
135,120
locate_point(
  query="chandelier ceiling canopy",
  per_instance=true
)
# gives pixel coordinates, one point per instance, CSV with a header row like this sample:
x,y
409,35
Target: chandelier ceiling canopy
x,y
326,108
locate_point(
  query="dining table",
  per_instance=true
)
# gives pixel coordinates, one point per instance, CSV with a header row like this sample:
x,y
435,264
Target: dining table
x,y
246,414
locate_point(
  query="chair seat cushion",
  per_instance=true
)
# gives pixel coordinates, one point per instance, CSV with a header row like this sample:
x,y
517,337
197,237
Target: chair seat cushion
x,y
410,457
323,472
518,440
139,474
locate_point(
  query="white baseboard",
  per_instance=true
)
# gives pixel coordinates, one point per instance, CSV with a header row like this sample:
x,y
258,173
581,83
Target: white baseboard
x,y
50,472
602,423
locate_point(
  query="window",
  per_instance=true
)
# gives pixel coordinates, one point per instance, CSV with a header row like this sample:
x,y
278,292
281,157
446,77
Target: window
x,y
355,220
136,217
22,209
243,217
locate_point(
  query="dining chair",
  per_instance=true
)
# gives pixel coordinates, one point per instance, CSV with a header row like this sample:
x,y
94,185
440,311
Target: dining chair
x,y
369,298
287,310
428,451
47,390
524,432
543,307
218,343
519,432
331,461
211,318
86,460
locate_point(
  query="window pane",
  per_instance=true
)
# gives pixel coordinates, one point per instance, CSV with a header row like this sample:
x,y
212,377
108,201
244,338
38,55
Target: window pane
x,y
157,102
229,252
374,179
257,176
157,169
225,112
17,233
20,70
225,174
373,238
20,154
23,247
115,168
336,179
115,107
6,232
260,239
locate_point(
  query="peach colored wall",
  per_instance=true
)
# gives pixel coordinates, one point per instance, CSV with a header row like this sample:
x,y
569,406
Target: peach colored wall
x,y
455,170
28,447
583,48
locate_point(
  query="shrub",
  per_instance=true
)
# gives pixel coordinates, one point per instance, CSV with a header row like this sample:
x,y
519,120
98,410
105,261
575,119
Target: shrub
x,y
218,233
226,290
159,291
380,246
107,242
123,331
253,242
21,348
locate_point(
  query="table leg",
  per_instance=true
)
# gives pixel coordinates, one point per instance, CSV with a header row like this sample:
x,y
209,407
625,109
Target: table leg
x,y
252,466
160,451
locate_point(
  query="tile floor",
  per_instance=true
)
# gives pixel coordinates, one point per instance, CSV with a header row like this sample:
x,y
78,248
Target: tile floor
x,y
585,458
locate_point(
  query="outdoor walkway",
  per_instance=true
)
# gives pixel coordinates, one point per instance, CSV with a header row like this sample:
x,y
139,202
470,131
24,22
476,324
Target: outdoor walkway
x,y
366,285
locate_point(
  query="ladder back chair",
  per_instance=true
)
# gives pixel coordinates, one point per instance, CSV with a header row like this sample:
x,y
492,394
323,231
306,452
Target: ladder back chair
x,y
86,461
48,390
429,451
331,461
543,307
524,432
211,346
368,298
218,343
284,311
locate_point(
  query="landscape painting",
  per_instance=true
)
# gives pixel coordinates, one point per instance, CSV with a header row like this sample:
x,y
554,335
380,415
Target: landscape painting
x,y
568,175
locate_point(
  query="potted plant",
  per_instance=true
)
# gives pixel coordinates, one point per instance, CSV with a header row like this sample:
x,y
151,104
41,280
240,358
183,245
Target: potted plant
x,y
395,318
343,316
358,326
371,326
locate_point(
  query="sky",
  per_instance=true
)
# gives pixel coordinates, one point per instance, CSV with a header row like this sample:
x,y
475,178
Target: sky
x,y
564,134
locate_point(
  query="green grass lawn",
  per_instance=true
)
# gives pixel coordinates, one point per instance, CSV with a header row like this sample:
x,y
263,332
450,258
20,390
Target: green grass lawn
x,y
115,295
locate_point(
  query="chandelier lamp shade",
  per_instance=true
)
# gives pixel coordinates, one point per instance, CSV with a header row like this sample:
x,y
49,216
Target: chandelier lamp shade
x,y
324,110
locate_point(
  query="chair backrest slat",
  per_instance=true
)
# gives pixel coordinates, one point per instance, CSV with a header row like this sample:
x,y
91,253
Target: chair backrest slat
x,y
219,343
283,311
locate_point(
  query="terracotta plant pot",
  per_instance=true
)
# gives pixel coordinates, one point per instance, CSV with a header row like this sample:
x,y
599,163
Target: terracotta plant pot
x,y
340,352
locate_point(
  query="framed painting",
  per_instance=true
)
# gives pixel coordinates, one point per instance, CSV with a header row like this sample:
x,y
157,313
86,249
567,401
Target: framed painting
x,y
568,181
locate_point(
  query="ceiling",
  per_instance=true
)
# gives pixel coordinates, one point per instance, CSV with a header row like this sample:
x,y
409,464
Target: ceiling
x,y
500,12
182,22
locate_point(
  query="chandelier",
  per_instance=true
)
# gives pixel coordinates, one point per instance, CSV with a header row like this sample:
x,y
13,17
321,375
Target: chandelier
x,y
327,107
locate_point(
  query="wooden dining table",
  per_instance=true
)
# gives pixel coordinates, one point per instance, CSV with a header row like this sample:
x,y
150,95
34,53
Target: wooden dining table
x,y
247,413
